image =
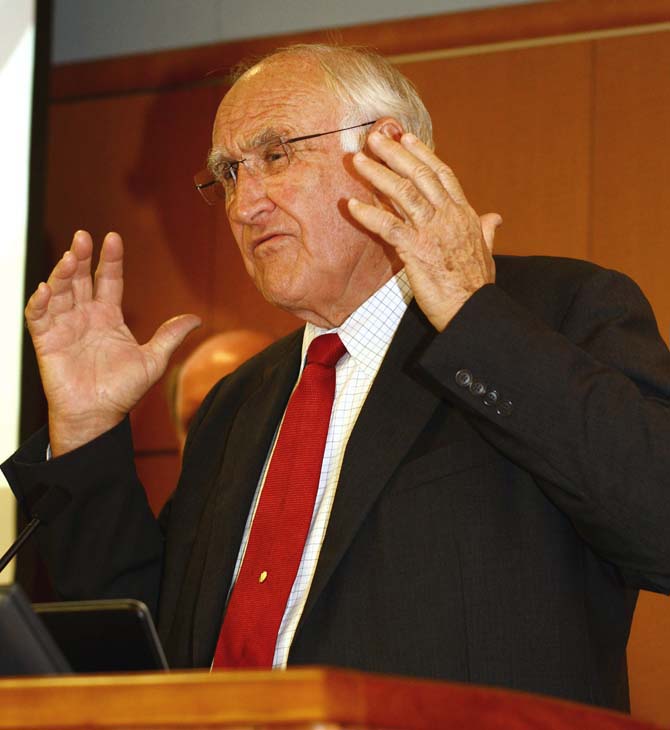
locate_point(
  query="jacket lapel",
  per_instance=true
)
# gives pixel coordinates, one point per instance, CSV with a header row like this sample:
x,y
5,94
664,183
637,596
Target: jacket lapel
x,y
395,411
249,442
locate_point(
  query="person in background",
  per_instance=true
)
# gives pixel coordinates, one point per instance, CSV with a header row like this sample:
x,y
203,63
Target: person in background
x,y
216,357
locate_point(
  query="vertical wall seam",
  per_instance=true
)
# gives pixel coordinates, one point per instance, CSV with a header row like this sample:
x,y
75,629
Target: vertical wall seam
x,y
592,147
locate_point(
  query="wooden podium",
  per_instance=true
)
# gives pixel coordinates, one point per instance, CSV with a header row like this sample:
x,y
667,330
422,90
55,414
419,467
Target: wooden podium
x,y
314,698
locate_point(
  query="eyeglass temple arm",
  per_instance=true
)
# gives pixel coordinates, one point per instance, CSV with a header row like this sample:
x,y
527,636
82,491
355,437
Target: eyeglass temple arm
x,y
200,186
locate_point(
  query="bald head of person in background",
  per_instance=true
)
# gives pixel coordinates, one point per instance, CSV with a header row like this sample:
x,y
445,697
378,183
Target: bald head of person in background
x,y
216,357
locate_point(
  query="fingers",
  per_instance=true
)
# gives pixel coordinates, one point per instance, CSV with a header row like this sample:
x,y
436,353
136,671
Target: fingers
x,y
37,310
489,223
417,183
82,250
408,201
406,179
109,273
70,279
412,159
379,221
167,339
70,284
444,173
66,281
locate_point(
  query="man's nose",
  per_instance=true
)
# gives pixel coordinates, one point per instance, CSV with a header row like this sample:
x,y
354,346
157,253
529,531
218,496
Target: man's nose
x,y
249,198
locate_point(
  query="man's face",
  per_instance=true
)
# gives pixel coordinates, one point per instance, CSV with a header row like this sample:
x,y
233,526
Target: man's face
x,y
298,242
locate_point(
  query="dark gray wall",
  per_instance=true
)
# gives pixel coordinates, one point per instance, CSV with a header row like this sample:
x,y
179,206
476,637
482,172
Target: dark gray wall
x,y
87,29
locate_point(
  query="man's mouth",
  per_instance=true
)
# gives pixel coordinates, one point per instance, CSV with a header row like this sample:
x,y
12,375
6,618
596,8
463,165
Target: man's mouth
x,y
264,239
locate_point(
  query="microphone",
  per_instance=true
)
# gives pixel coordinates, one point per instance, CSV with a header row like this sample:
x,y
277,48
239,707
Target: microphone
x,y
45,503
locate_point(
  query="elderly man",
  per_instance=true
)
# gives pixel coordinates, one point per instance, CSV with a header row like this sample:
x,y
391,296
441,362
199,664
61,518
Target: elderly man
x,y
467,480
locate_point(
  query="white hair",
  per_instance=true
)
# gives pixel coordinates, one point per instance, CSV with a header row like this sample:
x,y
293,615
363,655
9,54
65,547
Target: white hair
x,y
368,86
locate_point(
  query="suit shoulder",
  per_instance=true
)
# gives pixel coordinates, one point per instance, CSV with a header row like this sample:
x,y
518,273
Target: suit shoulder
x,y
556,268
522,272
549,285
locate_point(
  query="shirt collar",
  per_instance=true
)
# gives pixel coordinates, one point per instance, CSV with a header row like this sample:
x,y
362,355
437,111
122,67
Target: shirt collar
x,y
367,332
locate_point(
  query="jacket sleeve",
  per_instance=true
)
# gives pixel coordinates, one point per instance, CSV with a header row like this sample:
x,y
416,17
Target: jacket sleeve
x,y
583,405
104,541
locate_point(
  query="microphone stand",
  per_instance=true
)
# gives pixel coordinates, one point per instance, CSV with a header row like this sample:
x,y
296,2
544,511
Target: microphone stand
x,y
44,506
26,532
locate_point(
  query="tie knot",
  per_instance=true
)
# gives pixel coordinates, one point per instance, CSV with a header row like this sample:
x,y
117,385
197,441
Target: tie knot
x,y
326,350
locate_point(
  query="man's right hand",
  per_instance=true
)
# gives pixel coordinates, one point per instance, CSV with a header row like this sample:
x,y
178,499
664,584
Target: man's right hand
x,y
93,370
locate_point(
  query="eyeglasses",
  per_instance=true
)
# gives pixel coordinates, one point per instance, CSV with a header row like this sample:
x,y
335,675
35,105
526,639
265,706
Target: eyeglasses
x,y
219,181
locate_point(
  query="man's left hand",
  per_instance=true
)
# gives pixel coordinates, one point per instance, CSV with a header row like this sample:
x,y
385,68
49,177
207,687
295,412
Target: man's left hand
x,y
445,246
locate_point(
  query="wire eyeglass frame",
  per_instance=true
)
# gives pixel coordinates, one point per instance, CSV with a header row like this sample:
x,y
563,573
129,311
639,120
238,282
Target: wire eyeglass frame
x,y
275,158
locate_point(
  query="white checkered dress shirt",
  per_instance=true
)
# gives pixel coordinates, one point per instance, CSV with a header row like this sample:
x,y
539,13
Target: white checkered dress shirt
x,y
367,334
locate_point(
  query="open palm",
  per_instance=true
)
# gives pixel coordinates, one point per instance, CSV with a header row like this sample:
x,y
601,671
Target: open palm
x,y
93,370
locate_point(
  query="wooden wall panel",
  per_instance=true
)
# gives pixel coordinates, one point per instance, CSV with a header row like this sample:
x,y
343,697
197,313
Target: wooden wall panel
x,y
515,128
159,473
631,197
649,659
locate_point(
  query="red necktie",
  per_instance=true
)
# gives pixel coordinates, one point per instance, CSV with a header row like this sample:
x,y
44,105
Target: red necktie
x,y
283,516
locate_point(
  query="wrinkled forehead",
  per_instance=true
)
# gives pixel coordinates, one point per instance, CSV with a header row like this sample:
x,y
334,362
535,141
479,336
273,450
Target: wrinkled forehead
x,y
281,98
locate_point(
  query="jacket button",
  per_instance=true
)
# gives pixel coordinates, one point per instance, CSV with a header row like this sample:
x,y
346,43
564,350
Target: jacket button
x,y
463,378
477,388
491,398
505,408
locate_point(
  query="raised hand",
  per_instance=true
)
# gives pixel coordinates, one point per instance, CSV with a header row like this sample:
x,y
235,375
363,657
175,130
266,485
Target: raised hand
x,y
445,246
93,370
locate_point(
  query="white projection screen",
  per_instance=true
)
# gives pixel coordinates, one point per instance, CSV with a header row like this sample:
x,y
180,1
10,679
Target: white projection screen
x,y
17,53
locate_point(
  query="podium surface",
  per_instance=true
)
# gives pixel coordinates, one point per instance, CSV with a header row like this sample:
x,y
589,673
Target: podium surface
x,y
298,698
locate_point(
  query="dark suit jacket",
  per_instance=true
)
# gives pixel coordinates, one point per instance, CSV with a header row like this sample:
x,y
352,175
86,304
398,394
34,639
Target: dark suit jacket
x,y
498,543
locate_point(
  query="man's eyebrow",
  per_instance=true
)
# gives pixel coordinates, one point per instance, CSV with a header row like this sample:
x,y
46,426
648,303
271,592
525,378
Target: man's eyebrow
x,y
218,156
268,135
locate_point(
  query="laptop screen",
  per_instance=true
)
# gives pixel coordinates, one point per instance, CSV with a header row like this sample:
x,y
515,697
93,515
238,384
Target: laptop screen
x,y
76,636
116,635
